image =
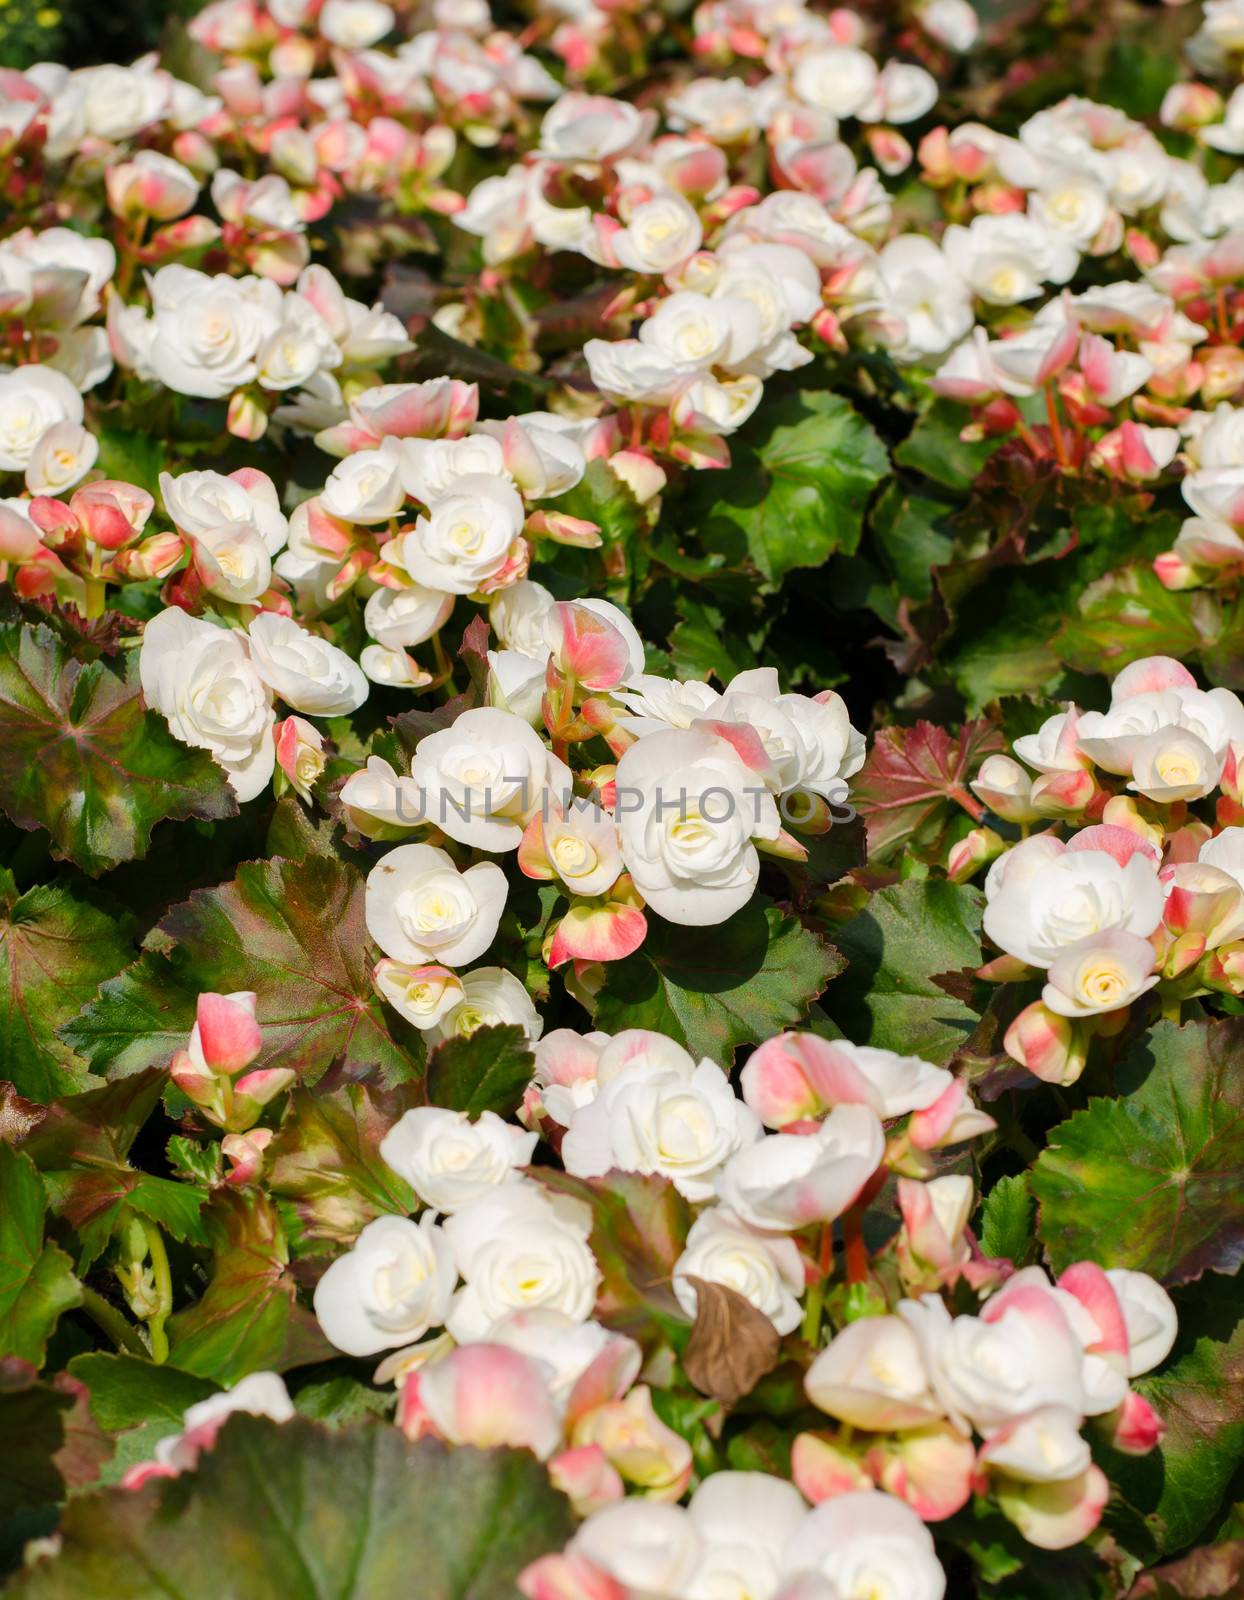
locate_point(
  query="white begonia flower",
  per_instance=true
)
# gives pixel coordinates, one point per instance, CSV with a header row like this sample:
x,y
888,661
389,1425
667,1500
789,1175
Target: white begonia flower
x,y
1007,259
392,667
872,1375
745,1520
810,740
579,846
1043,898
33,399
649,1120
423,995
645,1546
1070,202
688,810
202,680
62,457
869,1546
626,370
484,777
902,1083
379,794
517,1249
1102,973
367,486
297,349
356,24
654,704
400,618
432,468
787,1181
764,1268
197,502
517,615
1043,1447
705,404
659,235
839,79
542,454
491,997
1174,764
1150,1316
987,1372
69,270
450,1161
468,536
780,282
233,562
902,93
259,1394
593,128
394,1284
953,23
420,908
1226,852
208,331
929,295
118,101
1110,739
307,672
516,684
694,332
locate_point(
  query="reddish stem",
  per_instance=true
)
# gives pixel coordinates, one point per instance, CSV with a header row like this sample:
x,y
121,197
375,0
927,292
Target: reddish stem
x,y
1056,427
856,1249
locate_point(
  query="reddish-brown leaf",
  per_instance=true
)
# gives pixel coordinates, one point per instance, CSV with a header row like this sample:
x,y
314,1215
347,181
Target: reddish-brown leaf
x,y
913,779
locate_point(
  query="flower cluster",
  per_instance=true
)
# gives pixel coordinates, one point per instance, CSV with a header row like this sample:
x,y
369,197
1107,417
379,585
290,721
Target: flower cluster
x,y
558,1004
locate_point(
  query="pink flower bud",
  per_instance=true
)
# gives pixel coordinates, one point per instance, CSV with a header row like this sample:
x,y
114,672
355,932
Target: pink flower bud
x,y
889,150
587,1478
299,753
797,1076
931,1468
643,476
225,1033
111,514
1063,794
1006,788
593,932
253,1091
932,1249
152,558
197,1082
1135,1428
1052,1047
151,185
247,417
1189,106
562,528
1135,453
966,857
823,1468
589,647
646,1453
19,538
484,1395
244,1152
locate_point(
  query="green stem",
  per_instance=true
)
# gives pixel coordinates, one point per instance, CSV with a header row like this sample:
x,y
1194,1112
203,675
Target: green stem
x,y
812,1313
164,1288
106,1317
1172,1008
96,593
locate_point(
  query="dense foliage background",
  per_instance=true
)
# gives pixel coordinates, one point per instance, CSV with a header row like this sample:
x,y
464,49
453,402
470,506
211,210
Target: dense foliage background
x,y
955,558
